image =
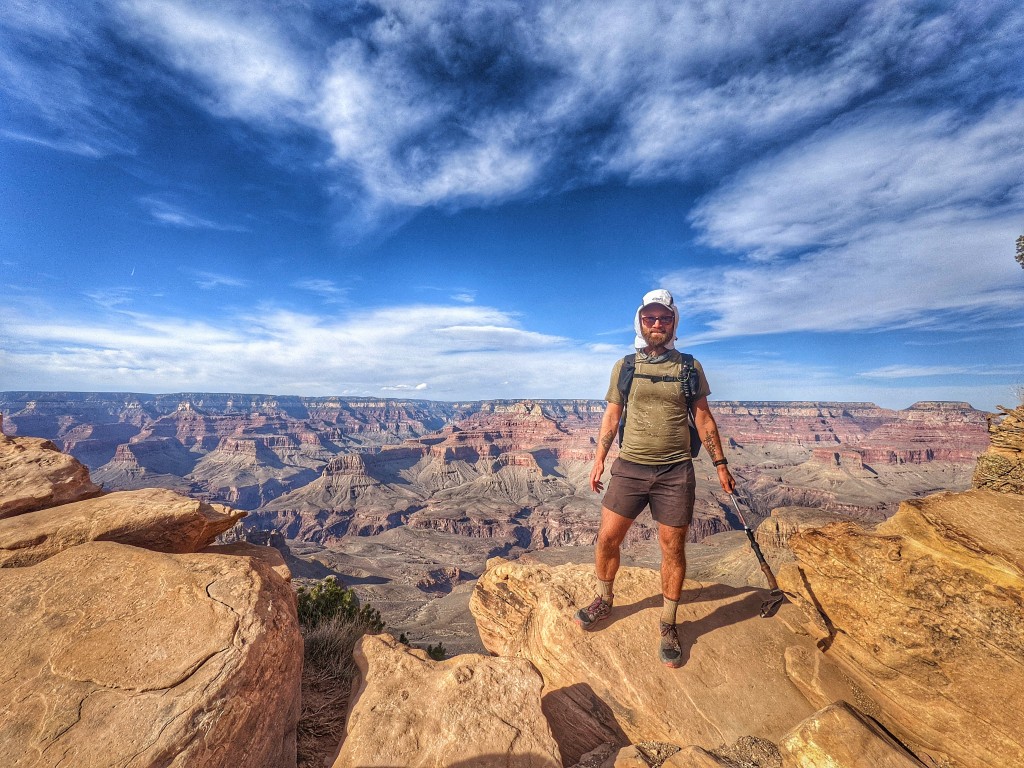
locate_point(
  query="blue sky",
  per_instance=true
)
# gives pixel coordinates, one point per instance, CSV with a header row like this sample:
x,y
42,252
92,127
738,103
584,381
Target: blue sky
x,y
466,200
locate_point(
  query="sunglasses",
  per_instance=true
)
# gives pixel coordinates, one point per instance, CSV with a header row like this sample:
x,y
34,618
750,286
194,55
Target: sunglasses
x,y
650,321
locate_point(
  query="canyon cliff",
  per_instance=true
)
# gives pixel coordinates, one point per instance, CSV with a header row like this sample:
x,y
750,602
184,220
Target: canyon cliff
x,y
898,646
387,493
128,639
321,469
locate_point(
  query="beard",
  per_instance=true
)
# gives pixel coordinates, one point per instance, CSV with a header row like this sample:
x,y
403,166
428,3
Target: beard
x,y
655,337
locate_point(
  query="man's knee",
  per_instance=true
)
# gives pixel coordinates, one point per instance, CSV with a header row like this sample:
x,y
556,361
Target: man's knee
x,y
673,539
613,530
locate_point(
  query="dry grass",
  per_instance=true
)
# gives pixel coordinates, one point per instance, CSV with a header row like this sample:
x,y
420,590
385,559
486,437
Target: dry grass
x,y
327,675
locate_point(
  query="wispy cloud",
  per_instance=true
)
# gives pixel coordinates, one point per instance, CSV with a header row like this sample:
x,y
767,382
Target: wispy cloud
x,y
405,387
241,56
326,289
455,352
923,371
210,280
73,146
833,224
429,102
171,214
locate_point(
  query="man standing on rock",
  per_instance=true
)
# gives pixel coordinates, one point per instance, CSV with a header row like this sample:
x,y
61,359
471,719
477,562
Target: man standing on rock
x,y
655,465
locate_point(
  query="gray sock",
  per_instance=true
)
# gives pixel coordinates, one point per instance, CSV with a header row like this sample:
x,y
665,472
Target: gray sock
x,y
604,589
668,610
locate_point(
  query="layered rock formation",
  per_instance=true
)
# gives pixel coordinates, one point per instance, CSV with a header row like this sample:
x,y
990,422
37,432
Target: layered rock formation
x,y
118,654
154,518
1001,467
354,480
35,474
924,613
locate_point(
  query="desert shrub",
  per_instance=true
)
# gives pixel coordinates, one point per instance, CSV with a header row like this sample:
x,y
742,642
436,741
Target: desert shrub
x,y
329,644
332,622
327,599
437,652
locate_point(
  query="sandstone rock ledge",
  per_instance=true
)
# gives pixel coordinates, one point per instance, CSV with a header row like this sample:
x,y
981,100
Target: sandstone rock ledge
x,y
742,676
115,655
470,711
35,474
153,518
925,614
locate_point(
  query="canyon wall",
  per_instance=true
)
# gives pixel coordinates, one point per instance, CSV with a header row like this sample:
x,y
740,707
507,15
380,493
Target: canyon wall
x,y
514,471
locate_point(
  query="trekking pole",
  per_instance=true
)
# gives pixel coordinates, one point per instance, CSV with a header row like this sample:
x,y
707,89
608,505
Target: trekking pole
x,y
769,606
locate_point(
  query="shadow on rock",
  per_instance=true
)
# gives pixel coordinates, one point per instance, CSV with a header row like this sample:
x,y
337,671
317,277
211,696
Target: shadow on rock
x,y
562,708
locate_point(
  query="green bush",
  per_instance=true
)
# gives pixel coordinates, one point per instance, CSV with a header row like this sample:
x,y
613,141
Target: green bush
x,y
437,652
328,600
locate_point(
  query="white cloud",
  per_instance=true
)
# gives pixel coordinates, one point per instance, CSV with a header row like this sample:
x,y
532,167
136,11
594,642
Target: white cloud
x,y
930,271
920,371
249,69
875,223
174,215
889,166
326,289
210,280
73,146
454,352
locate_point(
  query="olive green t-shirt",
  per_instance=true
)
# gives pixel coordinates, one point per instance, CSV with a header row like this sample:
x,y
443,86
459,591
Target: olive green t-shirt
x,y
656,426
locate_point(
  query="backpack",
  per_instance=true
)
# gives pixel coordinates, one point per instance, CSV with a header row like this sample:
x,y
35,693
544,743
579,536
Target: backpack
x,y
689,385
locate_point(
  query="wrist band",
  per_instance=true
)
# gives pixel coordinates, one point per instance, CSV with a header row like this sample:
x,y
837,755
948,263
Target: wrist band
x,y
720,462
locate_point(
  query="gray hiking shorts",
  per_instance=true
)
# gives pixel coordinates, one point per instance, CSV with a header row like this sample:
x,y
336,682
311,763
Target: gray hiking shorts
x,y
670,490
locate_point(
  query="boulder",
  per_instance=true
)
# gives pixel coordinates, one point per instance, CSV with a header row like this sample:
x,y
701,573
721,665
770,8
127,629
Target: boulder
x,y
35,474
471,710
153,518
607,685
841,737
1001,467
116,655
925,613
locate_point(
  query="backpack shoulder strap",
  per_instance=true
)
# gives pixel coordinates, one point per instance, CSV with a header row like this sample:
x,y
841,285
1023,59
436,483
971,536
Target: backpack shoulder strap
x,y
626,371
689,379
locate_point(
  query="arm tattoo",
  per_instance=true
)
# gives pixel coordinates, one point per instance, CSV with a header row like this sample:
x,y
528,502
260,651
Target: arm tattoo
x,y
713,444
607,439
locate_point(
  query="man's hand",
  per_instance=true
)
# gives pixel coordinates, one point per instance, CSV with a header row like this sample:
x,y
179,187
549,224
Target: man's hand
x,y
595,476
726,479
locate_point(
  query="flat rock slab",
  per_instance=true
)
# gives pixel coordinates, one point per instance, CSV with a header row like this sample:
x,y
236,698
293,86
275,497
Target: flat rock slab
x,y
608,685
115,655
470,710
35,474
153,518
925,614
841,737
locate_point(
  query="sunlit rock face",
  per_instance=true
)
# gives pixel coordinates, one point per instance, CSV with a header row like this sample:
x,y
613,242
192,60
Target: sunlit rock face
x,y
1001,467
124,644
608,685
924,612
35,474
469,710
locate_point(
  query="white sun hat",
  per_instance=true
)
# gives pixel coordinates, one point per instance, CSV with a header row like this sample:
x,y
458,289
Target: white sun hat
x,y
664,298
